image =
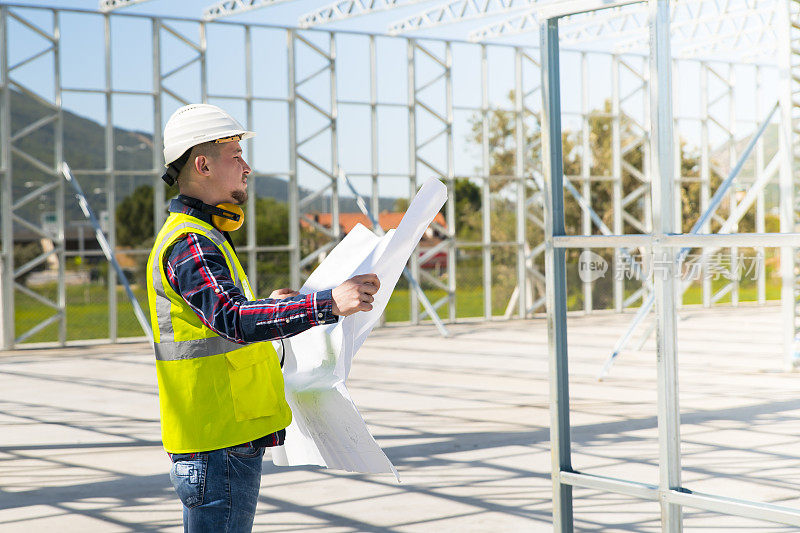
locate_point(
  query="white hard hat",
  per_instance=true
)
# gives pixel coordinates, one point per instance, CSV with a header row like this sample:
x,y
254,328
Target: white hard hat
x,y
195,124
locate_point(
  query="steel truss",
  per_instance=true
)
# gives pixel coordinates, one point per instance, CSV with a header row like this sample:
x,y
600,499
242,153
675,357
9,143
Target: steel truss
x,y
425,105
312,171
12,154
306,162
227,8
111,5
702,28
665,236
528,295
790,180
349,8
454,12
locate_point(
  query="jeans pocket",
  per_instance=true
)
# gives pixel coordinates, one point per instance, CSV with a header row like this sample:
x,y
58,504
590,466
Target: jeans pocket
x,y
246,451
188,476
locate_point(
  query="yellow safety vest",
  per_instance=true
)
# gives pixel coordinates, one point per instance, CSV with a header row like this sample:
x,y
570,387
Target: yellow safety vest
x,y
214,393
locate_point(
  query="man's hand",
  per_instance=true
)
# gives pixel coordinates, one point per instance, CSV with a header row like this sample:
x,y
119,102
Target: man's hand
x,y
280,294
355,294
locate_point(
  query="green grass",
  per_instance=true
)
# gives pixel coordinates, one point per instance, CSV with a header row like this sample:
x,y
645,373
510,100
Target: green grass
x,y
748,291
87,313
87,307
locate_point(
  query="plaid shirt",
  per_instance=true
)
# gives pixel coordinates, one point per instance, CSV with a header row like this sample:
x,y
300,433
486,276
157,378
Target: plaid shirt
x,y
196,269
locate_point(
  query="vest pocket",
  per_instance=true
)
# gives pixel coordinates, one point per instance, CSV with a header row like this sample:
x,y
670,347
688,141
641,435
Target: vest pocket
x,y
251,385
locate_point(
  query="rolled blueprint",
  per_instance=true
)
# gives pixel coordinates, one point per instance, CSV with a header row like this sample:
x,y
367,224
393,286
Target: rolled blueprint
x,y
327,428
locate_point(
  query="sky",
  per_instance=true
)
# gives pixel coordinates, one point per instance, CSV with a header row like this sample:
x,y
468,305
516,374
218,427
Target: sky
x,y
83,72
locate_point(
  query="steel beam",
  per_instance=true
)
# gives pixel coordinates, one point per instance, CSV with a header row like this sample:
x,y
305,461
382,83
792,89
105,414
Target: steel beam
x,y
788,218
345,9
6,228
662,186
227,8
455,12
110,5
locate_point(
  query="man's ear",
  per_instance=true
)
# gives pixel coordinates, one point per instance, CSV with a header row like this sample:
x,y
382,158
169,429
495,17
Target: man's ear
x,y
201,165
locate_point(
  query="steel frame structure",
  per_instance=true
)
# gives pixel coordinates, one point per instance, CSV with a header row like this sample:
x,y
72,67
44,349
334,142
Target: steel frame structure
x,y
539,196
670,492
52,188
455,11
430,111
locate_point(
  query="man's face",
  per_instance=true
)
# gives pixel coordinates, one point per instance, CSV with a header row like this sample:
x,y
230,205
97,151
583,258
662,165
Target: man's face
x,y
229,171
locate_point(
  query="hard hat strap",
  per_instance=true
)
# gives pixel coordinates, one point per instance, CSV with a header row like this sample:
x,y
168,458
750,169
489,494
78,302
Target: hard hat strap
x,y
174,168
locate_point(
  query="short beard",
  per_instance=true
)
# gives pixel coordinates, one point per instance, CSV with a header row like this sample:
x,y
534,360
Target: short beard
x,y
239,196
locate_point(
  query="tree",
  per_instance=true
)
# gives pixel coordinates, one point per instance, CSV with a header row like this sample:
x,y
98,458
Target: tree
x,y
135,217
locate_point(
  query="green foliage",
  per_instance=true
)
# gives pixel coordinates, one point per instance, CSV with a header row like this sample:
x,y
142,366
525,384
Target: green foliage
x,y
468,209
135,217
24,252
401,205
599,162
272,224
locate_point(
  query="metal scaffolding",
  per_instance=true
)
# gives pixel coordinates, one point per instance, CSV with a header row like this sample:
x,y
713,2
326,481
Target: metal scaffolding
x,y
670,492
644,191
314,152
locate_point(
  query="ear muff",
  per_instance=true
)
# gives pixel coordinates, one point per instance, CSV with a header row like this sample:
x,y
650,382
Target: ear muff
x,y
227,217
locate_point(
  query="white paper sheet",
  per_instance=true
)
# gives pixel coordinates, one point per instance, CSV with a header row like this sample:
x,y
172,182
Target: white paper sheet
x,y
327,428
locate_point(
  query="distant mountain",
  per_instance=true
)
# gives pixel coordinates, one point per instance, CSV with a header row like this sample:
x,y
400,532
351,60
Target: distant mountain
x,y
84,149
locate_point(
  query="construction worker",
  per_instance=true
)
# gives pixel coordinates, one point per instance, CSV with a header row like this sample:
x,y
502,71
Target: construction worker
x,y
220,387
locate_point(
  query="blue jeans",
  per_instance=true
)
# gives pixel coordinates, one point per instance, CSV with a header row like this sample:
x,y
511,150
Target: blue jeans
x,y
218,489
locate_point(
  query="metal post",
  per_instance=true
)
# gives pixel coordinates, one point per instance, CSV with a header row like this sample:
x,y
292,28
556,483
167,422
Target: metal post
x,y
616,165
734,261
158,155
759,172
486,193
705,170
58,154
373,115
662,186
555,268
519,173
586,169
412,159
334,142
786,187
110,182
7,228
252,258
294,194
203,66
678,177
450,208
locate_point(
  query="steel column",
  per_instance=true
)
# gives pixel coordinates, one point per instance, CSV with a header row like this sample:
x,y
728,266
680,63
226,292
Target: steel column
x,y
787,188
662,186
616,171
586,170
450,208
555,270
294,193
412,156
111,235
519,171
7,262
486,192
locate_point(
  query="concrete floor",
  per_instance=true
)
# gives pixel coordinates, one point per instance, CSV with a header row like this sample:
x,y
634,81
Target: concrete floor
x,y
465,420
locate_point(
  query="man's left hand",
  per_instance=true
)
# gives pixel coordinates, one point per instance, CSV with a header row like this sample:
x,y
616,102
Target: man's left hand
x,y
280,294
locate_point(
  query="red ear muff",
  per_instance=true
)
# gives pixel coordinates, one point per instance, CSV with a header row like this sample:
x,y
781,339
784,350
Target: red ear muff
x,y
230,217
